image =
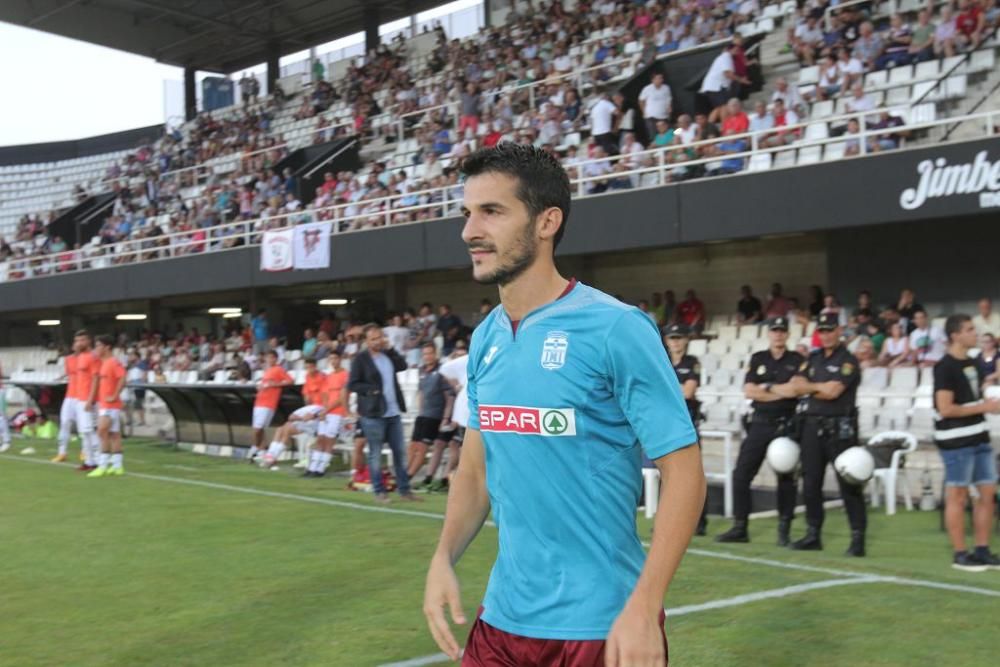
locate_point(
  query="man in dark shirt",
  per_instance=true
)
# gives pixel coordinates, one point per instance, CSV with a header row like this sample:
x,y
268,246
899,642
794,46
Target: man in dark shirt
x,y
906,308
433,401
828,384
749,309
768,384
963,438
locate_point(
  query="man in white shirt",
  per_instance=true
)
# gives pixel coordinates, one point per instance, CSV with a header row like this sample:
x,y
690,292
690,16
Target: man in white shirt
x,y
987,321
655,101
396,334
602,115
788,94
599,166
860,102
715,85
927,344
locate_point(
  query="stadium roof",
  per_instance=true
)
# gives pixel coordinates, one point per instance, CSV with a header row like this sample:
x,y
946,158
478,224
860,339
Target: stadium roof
x,y
213,35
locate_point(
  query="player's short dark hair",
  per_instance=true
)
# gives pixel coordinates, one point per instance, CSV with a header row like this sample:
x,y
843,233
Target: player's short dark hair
x,y
953,324
429,345
106,340
271,353
83,333
542,181
311,360
368,327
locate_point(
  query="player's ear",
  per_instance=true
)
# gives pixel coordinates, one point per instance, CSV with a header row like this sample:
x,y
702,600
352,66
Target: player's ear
x,y
549,222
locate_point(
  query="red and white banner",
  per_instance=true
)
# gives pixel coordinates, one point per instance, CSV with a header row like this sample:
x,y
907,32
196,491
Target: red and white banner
x,y
276,251
312,245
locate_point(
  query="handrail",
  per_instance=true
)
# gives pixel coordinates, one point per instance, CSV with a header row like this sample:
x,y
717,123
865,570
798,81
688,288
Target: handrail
x,y
966,57
181,243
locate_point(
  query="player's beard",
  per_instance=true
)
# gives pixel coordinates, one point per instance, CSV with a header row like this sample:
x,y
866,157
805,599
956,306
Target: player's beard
x,y
514,261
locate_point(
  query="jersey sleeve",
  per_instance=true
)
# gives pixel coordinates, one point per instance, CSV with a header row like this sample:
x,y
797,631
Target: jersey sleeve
x,y
751,371
471,389
646,387
850,373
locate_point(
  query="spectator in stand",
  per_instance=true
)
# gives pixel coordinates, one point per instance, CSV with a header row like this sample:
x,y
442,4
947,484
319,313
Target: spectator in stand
x,y
896,348
597,167
897,44
447,320
789,95
922,44
783,117
888,141
470,101
664,135
970,25
859,101
986,361
631,149
261,331
602,115
852,145
946,34
691,312
777,305
656,103
850,68
309,343
749,309
868,47
928,344
717,86
737,121
906,308
987,321
807,41
831,79
865,353
761,120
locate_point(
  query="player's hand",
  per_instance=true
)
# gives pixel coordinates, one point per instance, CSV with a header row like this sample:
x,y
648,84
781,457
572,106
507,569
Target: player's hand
x,y
993,405
442,590
635,640
88,406
447,425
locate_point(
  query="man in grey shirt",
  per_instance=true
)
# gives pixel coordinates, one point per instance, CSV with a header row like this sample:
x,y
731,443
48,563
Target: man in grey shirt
x,y
434,398
469,116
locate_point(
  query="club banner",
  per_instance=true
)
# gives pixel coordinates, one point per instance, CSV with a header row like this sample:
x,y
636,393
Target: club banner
x,y
312,245
276,250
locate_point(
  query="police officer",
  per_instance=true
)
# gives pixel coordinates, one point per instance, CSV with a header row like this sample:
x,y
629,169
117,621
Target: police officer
x,y
688,369
828,384
768,385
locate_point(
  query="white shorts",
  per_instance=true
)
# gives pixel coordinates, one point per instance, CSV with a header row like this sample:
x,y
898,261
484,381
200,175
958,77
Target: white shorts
x,y
67,412
262,417
115,415
86,421
330,426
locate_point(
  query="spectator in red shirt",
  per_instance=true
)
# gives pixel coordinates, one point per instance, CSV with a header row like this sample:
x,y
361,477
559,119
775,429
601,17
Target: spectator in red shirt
x,y
691,312
740,86
329,184
778,305
970,23
492,137
737,121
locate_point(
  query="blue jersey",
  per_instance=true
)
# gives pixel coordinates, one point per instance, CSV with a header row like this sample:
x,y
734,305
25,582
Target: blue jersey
x,y
565,408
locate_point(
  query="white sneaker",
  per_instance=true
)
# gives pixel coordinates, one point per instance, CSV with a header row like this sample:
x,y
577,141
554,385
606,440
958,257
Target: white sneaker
x,y
28,451
274,468
4,447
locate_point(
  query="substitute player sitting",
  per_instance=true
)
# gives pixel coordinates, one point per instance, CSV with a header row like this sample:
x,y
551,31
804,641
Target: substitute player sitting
x,y
567,388
303,421
335,391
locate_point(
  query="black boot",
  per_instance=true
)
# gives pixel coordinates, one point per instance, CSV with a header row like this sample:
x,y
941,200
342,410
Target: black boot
x,y
811,542
702,526
784,526
738,533
857,547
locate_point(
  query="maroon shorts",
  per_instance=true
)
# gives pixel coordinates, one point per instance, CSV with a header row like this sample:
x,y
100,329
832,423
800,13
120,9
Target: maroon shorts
x,y
490,647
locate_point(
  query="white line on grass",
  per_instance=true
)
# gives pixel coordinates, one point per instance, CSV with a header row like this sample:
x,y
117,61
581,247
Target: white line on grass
x,y
419,662
438,517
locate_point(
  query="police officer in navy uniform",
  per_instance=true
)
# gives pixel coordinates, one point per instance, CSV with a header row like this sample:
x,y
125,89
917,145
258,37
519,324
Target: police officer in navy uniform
x,y
828,384
688,369
768,385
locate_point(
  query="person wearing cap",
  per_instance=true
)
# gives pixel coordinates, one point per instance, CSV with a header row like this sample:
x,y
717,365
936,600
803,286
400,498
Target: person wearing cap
x,y
688,369
828,384
769,385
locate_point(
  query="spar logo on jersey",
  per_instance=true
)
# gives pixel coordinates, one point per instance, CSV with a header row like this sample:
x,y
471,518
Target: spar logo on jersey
x,y
554,350
548,422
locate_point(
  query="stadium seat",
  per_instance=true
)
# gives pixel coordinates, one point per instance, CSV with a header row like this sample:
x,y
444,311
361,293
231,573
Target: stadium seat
x,y
809,75
784,159
876,79
903,380
927,70
759,162
731,362
718,347
874,379
900,75
983,60
698,347
888,478
810,154
834,151
822,109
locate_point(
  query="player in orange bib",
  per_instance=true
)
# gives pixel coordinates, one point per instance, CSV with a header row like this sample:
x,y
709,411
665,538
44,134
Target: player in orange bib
x,y
336,409
269,389
305,420
87,369
111,382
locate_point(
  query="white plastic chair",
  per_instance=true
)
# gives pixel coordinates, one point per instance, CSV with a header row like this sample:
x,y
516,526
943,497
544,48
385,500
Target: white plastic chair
x,y
888,478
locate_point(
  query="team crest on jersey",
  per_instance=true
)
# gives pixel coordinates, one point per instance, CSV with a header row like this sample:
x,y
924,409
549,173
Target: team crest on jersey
x,y
554,350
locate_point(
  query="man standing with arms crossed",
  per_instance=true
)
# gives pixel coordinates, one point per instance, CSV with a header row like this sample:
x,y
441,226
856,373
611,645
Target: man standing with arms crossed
x,y
963,439
111,382
567,387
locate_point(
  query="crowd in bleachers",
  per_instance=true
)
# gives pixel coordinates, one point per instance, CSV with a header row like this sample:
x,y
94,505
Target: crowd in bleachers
x,y
542,77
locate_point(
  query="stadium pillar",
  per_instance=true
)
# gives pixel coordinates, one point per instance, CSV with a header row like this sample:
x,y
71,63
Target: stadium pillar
x,y
190,99
371,18
395,293
487,10
273,69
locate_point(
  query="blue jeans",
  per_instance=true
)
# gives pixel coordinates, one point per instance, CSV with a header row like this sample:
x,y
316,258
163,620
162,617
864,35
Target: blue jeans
x,y
969,466
379,430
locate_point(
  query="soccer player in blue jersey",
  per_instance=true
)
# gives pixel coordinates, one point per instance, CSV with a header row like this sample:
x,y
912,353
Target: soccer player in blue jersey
x,y
567,388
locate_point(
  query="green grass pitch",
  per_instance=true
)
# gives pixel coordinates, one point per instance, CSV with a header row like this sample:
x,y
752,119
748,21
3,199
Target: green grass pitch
x,y
189,560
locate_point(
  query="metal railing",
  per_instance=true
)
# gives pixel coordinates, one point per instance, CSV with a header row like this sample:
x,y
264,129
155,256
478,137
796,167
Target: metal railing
x,y
649,168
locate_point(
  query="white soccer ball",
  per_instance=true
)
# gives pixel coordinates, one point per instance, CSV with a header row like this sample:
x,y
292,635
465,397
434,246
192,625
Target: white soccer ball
x,y
855,464
783,455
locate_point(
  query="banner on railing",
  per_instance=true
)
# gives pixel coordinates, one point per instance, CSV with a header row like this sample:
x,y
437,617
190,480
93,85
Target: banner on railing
x,y
312,245
276,250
